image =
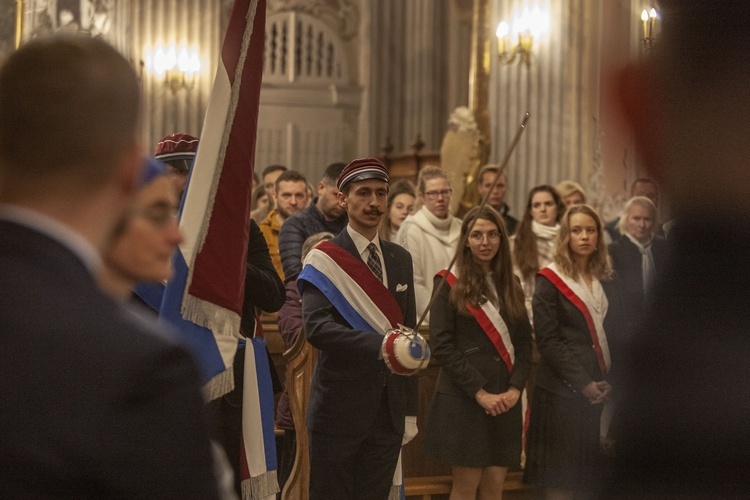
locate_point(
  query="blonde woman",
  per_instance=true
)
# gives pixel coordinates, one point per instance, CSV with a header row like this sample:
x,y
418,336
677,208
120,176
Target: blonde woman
x,y
571,193
564,456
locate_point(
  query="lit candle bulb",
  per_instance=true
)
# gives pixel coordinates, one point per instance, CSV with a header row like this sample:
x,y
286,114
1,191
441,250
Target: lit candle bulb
x,y
644,18
652,21
502,33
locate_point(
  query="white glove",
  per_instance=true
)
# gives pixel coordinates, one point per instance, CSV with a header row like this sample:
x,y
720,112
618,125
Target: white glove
x,y
410,429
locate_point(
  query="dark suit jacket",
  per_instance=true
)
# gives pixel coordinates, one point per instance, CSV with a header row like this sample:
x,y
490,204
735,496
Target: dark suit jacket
x,y
96,403
511,223
263,287
297,228
625,292
468,359
568,361
348,381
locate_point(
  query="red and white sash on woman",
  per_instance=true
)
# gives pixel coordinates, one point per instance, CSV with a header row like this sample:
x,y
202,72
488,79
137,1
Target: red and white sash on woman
x,y
593,305
496,330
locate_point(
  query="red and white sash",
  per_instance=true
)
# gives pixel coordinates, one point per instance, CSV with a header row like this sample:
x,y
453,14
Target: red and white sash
x,y
496,330
593,305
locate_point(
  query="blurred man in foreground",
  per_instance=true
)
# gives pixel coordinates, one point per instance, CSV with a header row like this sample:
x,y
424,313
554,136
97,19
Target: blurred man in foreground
x,y
96,403
685,395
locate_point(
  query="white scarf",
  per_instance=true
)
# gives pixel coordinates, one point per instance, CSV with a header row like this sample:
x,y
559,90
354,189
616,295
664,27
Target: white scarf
x,y
647,261
545,243
442,224
545,232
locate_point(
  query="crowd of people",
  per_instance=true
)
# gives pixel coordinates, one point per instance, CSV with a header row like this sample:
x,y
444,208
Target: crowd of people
x,y
482,322
640,388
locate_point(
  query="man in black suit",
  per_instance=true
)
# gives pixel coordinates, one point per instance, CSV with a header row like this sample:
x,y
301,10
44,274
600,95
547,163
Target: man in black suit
x,y
637,256
359,413
95,402
684,400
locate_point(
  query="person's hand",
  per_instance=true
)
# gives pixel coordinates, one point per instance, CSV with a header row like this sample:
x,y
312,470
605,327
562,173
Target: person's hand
x,y
509,398
606,390
593,393
410,429
492,403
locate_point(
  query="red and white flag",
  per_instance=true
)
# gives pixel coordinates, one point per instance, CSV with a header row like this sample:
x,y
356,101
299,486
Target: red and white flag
x,y
204,298
209,284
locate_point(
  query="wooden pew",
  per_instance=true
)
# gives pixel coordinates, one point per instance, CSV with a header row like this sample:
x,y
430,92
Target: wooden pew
x,y
300,364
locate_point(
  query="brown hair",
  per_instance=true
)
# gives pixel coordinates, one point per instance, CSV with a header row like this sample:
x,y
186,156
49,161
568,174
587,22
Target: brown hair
x,y
290,176
69,108
493,168
471,287
401,186
525,253
599,264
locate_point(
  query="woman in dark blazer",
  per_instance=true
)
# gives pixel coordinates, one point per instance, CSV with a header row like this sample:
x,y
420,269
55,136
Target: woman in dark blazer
x,y
564,456
480,334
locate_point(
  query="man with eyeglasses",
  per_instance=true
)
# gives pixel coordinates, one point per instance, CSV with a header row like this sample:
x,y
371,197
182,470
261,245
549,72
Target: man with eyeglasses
x,y
290,196
431,233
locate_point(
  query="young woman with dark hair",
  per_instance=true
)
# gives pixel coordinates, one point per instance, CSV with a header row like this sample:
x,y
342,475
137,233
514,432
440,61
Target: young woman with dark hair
x,y
481,335
533,243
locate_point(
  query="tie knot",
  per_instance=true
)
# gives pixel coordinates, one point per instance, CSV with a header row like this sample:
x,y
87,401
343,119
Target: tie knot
x,y
373,248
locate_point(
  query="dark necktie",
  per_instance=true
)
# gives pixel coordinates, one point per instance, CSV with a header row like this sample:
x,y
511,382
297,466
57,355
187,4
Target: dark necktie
x,y
373,262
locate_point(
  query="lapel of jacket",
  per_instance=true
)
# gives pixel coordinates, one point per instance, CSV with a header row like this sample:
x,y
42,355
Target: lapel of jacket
x,y
345,241
391,267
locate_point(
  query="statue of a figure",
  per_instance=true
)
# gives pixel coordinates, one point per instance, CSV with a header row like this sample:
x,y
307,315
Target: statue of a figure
x,y
463,150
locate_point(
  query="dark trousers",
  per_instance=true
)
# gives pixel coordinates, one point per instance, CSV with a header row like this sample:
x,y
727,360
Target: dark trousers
x,y
355,467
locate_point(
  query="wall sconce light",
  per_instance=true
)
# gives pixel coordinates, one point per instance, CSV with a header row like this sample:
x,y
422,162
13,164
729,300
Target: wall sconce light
x,y
531,25
177,66
650,36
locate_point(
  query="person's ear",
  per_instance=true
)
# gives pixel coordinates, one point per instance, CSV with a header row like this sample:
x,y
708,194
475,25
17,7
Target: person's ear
x,y
342,198
639,97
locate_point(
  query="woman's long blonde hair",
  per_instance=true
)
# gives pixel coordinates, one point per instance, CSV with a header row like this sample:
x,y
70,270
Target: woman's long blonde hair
x,y
599,264
471,287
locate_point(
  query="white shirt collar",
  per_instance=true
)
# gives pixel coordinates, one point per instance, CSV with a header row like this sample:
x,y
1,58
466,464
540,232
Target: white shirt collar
x,y
361,242
54,229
